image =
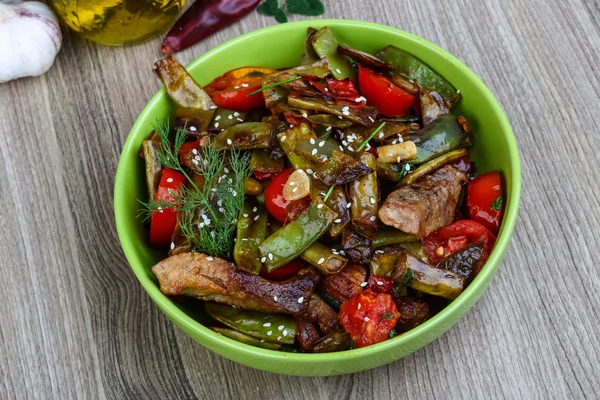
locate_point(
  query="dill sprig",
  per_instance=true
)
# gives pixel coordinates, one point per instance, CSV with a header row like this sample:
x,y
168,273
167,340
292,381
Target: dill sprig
x,y
208,213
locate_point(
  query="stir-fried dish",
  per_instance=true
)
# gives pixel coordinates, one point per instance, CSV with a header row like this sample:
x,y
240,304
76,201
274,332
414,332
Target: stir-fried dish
x,y
322,207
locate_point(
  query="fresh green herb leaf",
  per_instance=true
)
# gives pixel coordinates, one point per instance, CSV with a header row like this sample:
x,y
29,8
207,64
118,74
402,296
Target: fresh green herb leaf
x,y
272,85
208,214
315,8
329,192
371,136
280,16
296,6
408,277
265,9
497,204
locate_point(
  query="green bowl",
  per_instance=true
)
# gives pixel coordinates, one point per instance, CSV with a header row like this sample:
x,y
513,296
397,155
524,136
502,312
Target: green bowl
x,y
277,47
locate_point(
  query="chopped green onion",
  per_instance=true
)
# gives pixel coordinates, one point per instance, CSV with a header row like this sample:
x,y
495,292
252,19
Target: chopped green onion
x,y
272,85
371,136
329,192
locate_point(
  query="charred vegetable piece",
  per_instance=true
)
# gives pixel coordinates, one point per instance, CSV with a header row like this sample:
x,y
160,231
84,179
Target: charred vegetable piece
x,y
225,118
465,262
252,323
214,279
369,317
361,115
274,95
246,136
329,120
310,55
432,106
346,283
396,130
246,339
413,312
440,136
290,140
251,232
318,150
317,70
335,341
426,278
340,169
356,246
366,59
326,46
391,172
411,67
384,261
433,165
323,258
387,236
364,195
263,166
338,202
253,187
308,334
294,238
408,85
396,153
153,168
180,85
195,121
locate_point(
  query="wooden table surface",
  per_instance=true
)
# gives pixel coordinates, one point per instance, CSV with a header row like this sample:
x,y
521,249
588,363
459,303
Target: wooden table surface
x,y
75,323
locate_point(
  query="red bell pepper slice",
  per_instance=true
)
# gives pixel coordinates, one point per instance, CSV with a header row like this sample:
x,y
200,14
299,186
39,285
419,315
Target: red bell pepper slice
x,y
281,209
380,284
368,317
163,221
239,99
445,241
344,90
283,273
380,92
484,200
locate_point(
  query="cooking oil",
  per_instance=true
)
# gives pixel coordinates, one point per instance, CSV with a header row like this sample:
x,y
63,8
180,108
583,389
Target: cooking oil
x,y
118,22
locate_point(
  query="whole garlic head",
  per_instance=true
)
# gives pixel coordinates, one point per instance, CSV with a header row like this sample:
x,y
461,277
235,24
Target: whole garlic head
x,y
30,39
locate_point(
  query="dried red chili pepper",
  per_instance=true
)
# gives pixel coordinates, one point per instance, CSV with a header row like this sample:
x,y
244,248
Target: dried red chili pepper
x,y
204,18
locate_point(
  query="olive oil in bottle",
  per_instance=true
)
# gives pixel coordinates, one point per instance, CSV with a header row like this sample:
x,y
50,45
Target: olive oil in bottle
x,y
118,22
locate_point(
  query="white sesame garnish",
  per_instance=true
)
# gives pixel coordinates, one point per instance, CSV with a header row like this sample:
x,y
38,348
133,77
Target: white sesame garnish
x,y
169,180
285,332
458,91
342,252
263,259
245,85
292,183
220,203
294,190
218,117
236,114
339,71
367,319
348,205
280,327
371,119
270,255
379,283
256,217
209,258
322,143
213,107
236,87
195,162
319,206
239,119
283,138
267,324
359,306
245,215
363,284
226,170
337,221
270,333
321,260
305,115
312,141
373,218
372,200
172,245
275,298
160,209
309,171
313,152
230,116
380,135
229,142
300,300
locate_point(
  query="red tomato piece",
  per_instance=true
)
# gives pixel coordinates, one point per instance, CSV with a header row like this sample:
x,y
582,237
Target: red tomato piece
x,y
380,284
445,241
344,90
283,273
238,99
281,209
162,222
380,92
263,176
368,317
482,200
188,147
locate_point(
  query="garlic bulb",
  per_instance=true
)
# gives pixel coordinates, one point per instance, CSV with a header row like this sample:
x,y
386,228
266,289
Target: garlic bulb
x,y
30,38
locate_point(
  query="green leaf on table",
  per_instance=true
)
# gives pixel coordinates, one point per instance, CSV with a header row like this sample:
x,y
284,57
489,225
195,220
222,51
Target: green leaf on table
x,y
315,7
265,9
280,16
296,6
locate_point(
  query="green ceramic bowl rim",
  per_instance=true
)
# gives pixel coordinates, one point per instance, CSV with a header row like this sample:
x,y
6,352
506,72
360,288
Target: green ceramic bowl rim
x,y
211,338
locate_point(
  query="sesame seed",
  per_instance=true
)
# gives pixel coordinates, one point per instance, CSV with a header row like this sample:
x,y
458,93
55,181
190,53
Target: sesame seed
x,y
292,183
218,117
256,217
314,152
275,298
312,141
350,148
319,206
285,332
270,255
367,319
229,142
220,203
373,218
305,115
283,138
322,144
169,180
267,324
300,300
321,260
172,245
230,116
348,205
226,170
245,85
195,162
339,71
193,129
380,135
213,107
263,259
309,171
245,215
342,252
270,333
239,119
458,91
278,337
363,284
359,306
346,112
379,283
236,114
371,119
294,190
337,221
280,327
372,200
340,117
209,258
236,87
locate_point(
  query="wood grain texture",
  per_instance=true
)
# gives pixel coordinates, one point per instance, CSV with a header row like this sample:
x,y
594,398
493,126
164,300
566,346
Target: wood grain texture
x,y
76,324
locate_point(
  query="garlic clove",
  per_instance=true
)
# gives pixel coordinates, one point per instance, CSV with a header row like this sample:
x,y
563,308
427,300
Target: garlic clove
x,y
30,39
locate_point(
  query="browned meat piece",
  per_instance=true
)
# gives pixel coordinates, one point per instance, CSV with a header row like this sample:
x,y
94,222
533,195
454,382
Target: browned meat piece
x,y
357,247
320,312
213,279
413,312
307,333
346,283
426,205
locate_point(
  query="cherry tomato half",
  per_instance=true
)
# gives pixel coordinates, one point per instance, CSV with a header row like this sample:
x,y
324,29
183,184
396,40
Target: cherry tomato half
x,y
282,273
445,241
281,209
368,317
162,222
238,99
484,200
380,92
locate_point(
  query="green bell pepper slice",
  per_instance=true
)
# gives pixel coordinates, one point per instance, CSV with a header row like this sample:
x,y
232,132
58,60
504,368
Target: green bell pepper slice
x,y
251,232
246,339
326,46
246,136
